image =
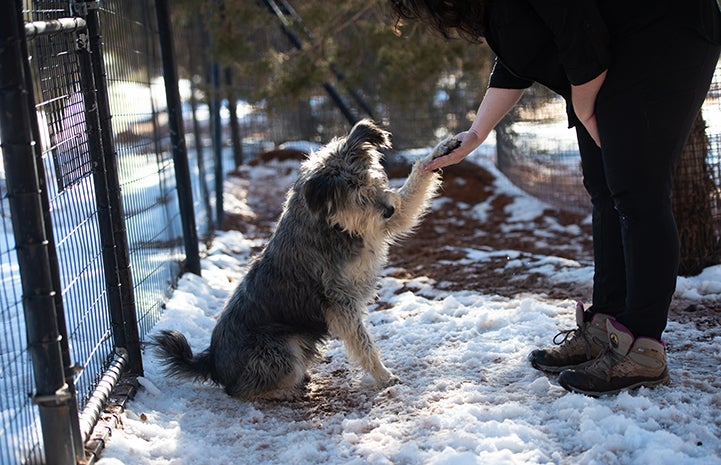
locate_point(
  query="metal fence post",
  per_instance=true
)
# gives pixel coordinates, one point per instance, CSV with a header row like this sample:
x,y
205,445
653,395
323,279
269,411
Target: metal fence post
x,y
217,141
177,137
129,319
102,201
197,136
73,411
233,118
52,393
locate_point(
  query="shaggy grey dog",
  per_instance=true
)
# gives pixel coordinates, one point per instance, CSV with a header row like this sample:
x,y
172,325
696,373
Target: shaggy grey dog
x,y
315,276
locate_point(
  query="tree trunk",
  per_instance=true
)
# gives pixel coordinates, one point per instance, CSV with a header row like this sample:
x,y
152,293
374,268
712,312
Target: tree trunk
x,y
692,194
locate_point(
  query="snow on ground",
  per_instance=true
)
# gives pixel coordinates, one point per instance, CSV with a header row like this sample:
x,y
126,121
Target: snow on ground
x,y
468,394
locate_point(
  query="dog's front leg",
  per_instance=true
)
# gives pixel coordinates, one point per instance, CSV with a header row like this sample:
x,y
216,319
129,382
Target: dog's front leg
x,y
418,191
348,326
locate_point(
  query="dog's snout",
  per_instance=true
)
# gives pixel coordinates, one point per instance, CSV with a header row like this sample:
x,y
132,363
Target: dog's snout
x,y
388,211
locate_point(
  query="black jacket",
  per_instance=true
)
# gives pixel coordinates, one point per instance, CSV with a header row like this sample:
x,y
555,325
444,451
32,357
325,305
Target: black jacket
x,y
562,42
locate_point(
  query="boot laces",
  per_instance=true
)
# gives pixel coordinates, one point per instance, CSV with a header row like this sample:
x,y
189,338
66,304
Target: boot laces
x,y
577,334
567,334
603,365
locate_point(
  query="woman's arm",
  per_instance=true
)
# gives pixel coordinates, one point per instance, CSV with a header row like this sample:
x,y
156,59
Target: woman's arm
x,y
583,97
495,105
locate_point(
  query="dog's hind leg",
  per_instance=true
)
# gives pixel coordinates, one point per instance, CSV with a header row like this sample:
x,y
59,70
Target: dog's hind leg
x,y
274,369
348,326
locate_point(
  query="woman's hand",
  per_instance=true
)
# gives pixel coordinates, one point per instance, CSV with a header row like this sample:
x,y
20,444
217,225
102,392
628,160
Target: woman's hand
x,y
470,140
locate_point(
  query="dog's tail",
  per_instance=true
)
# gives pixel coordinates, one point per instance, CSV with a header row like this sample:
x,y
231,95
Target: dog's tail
x,y
177,357
364,133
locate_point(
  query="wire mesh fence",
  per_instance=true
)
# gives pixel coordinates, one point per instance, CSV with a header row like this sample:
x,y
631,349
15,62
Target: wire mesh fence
x,y
67,165
20,437
537,152
108,185
138,105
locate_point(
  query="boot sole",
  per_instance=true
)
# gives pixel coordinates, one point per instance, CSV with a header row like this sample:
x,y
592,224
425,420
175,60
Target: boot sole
x,y
664,379
554,370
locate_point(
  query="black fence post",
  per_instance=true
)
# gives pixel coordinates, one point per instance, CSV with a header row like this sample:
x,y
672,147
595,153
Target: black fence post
x,y
128,316
69,367
177,137
102,200
233,118
217,142
200,152
52,394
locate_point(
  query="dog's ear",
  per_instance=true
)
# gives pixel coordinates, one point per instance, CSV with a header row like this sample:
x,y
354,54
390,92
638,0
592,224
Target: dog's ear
x,y
364,136
322,193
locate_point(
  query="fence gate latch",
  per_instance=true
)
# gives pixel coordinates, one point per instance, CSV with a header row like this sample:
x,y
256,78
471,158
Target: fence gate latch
x,y
61,396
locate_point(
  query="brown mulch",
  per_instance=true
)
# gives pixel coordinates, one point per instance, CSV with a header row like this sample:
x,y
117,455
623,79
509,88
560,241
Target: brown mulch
x,y
427,251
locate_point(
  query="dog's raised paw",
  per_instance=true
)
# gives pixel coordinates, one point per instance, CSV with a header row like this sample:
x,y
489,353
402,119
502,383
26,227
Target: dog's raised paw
x,y
445,147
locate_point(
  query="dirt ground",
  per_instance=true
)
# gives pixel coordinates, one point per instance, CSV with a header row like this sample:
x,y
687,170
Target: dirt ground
x,y
436,249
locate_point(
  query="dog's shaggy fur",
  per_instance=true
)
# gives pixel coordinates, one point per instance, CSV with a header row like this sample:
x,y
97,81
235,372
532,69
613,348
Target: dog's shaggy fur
x,y
315,276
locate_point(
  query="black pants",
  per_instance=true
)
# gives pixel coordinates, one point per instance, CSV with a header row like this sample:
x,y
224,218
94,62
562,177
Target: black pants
x,y
654,89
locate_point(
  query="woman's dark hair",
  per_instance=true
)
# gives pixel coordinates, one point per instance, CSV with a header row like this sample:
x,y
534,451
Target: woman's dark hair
x,y
444,16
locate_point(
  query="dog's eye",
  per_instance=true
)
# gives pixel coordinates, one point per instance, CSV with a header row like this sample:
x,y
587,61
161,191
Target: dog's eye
x,y
388,211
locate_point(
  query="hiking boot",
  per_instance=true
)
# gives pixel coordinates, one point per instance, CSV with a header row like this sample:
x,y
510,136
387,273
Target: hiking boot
x,y
628,363
575,347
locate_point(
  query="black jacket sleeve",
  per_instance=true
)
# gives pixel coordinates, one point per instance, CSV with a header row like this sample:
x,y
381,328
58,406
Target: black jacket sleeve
x,y
503,78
